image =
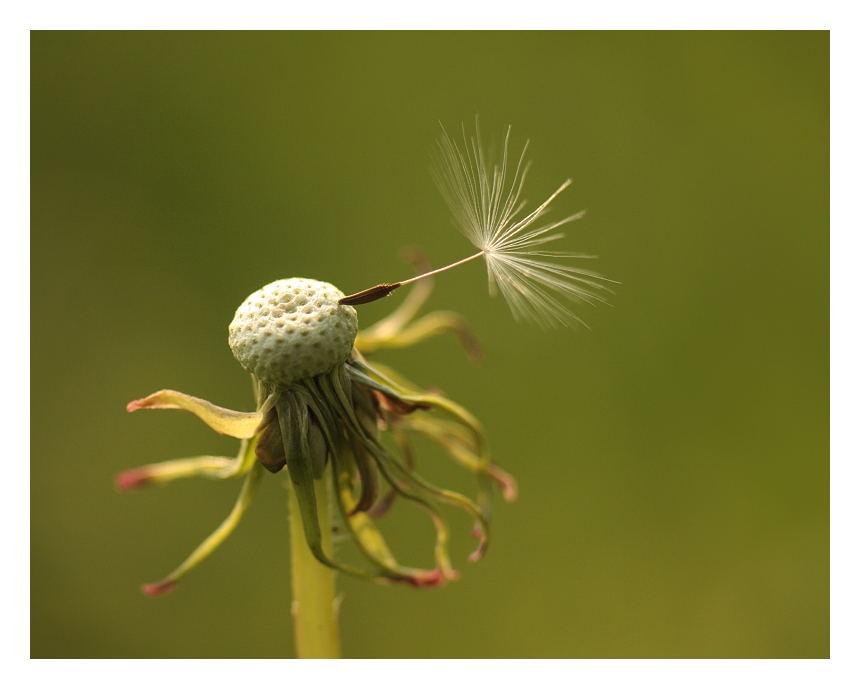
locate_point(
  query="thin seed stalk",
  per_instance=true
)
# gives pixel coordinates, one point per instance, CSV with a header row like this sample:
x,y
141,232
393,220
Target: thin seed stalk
x,y
383,290
314,608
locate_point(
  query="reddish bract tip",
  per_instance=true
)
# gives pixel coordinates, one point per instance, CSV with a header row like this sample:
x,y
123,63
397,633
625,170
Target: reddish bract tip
x,y
160,588
154,401
506,482
482,546
450,574
133,479
427,580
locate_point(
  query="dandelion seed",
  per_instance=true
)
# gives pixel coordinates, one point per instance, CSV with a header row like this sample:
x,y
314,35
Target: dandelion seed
x,y
486,204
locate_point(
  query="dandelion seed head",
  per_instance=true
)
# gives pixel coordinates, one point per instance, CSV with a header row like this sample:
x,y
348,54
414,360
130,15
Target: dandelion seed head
x,y
485,201
293,329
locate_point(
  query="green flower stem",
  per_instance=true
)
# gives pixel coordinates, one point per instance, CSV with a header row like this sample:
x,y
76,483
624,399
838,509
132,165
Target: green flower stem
x,y
314,607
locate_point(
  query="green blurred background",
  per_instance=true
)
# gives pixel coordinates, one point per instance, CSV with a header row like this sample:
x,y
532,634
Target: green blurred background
x,y
672,460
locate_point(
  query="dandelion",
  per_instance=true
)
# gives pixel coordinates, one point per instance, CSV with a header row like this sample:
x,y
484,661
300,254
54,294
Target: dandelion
x,y
322,413
342,426
485,203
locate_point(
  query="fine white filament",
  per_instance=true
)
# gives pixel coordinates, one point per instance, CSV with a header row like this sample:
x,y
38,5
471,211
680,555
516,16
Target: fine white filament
x,y
487,209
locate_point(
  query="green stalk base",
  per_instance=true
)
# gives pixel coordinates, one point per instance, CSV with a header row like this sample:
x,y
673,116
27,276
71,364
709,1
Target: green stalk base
x,y
314,608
